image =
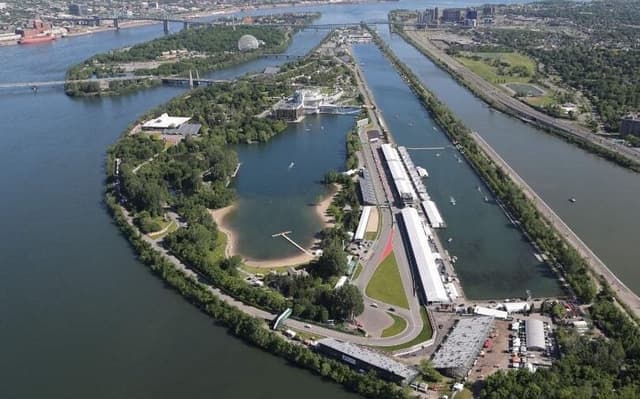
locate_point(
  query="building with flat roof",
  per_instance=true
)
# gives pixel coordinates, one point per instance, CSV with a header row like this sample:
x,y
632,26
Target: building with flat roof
x,y
485,311
452,15
366,188
534,330
79,10
291,110
362,224
399,175
433,214
365,359
456,355
423,258
630,124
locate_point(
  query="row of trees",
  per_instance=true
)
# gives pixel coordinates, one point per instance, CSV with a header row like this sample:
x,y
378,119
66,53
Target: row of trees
x,y
249,329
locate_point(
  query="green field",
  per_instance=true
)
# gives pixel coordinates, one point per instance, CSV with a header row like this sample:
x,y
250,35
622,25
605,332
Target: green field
x,y
217,254
425,334
541,101
264,270
398,326
357,271
370,235
386,285
486,65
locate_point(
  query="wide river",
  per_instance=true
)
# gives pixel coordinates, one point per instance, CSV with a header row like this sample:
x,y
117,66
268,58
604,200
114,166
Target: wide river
x,y
81,317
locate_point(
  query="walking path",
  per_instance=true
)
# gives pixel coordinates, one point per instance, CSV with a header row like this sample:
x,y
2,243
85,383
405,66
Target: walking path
x,y
598,267
406,336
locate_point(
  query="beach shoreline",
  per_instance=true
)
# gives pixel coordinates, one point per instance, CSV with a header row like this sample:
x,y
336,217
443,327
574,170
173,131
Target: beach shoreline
x,y
320,209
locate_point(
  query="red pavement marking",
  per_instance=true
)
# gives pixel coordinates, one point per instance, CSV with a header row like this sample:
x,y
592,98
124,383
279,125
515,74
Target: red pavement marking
x,y
389,247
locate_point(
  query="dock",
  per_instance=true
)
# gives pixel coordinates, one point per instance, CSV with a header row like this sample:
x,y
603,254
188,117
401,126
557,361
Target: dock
x,y
284,234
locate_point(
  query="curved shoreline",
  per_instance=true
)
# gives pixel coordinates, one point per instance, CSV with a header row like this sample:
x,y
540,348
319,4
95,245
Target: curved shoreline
x,y
219,216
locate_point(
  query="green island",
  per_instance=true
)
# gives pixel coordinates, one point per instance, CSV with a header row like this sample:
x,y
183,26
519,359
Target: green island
x,y
604,366
154,182
194,51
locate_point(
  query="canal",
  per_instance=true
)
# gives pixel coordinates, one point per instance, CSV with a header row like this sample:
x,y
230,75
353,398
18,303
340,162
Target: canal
x,y
606,213
494,260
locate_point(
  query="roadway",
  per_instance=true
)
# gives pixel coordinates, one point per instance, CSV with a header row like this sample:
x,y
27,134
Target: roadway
x,y
491,93
388,233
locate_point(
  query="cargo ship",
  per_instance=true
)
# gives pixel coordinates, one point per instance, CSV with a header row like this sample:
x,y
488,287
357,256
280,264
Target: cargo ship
x,y
40,32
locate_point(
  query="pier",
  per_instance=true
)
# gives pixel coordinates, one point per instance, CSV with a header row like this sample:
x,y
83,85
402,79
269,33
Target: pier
x,y
284,234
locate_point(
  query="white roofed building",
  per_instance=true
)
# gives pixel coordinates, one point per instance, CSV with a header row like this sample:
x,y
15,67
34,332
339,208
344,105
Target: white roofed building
x,y
423,258
362,224
534,330
485,311
165,121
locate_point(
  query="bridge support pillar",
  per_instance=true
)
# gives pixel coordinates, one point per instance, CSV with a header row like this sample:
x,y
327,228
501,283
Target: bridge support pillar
x,y
165,25
116,23
185,25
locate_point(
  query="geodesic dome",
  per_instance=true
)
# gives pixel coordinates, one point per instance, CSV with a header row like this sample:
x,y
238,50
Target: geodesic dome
x,y
248,42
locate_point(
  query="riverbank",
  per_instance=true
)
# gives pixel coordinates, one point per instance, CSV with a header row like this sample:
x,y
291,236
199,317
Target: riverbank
x,y
495,98
231,247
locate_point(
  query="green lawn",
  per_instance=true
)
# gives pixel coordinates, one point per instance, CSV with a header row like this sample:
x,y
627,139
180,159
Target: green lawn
x,y
398,326
425,334
357,271
218,254
264,270
464,394
386,285
489,72
541,101
370,235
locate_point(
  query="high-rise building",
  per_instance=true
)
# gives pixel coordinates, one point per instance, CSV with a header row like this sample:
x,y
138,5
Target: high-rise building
x,y
452,15
79,10
489,11
472,13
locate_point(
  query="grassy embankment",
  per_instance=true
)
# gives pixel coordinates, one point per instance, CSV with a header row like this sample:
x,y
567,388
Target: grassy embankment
x,y
385,284
398,326
425,334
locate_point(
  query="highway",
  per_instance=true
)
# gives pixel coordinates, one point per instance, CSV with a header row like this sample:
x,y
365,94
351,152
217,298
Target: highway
x,y
491,93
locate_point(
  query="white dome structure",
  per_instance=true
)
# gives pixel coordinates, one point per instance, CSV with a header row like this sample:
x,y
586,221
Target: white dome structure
x,y
248,42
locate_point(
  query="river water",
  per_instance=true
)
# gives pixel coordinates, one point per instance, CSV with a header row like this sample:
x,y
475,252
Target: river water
x,y
281,181
80,317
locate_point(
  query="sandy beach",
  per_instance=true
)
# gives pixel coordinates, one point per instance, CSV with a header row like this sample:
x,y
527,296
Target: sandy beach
x,y
219,216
